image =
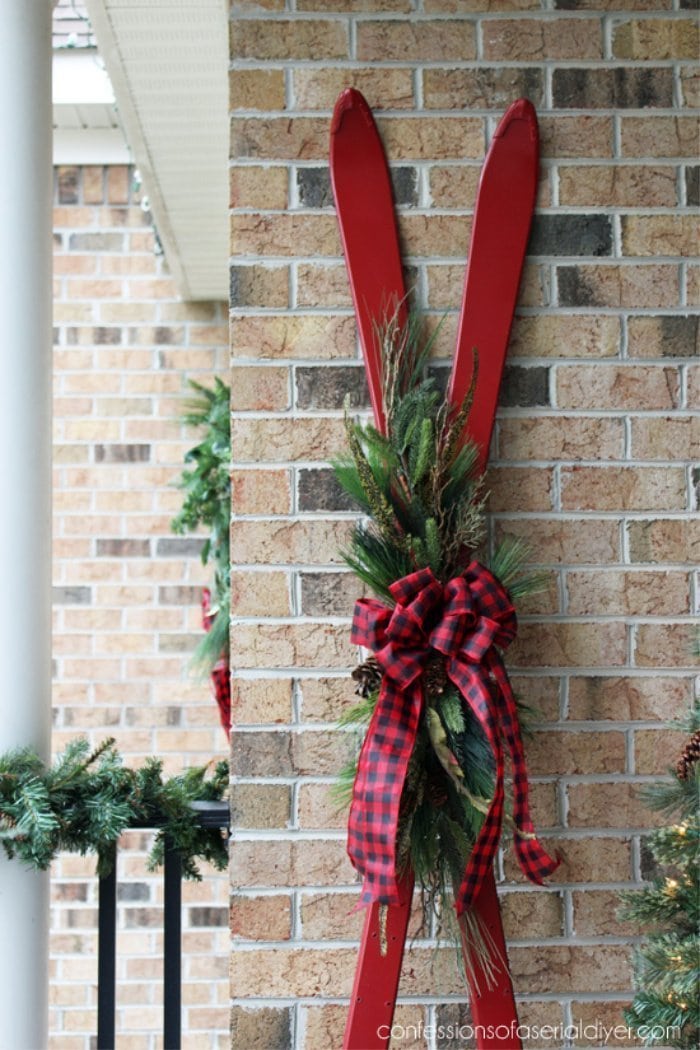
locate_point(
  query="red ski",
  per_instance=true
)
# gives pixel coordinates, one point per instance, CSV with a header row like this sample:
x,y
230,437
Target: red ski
x,y
503,211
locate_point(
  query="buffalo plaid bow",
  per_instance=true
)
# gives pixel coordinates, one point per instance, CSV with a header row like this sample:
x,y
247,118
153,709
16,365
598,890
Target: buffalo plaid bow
x,y
468,621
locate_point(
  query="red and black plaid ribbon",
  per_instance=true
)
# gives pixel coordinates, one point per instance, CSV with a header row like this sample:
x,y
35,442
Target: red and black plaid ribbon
x,y
468,620
221,672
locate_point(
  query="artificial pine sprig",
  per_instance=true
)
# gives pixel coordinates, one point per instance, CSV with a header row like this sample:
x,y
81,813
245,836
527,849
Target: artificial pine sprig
x,y
85,799
423,499
207,486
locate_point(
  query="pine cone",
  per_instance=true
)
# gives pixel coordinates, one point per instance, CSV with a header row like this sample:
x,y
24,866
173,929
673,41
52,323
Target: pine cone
x,y
688,757
436,675
368,677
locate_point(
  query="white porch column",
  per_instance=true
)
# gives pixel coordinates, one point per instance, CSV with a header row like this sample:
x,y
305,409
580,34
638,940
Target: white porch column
x,y
25,483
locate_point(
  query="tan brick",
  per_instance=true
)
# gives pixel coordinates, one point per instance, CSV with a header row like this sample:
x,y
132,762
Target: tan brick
x,y
562,752
322,753
324,1027
284,863
275,439
465,6
553,542
260,806
291,645
561,438
615,805
257,187
260,593
262,286
690,85
322,286
623,488
624,186
665,645
595,915
597,698
580,136
261,492
292,38
261,89
260,389
385,88
517,39
258,1028
658,235
656,38
668,438
424,138
434,234
667,336
531,915
541,693
651,285
422,41
608,1017
279,138
664,540
519,488
569,645
657,750
260,700
627,593
453,186
692,285
319,809
331,916
612,386
284,235
478,88
650,136
287,337
325,699
551,336
265,918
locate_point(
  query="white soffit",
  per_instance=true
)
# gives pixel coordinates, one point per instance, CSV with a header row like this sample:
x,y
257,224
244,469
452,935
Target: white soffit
x,y
167,61
85,120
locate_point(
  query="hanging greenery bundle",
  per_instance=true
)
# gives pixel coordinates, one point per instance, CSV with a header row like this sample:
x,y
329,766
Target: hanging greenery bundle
x,y
207,503
436,706
666,1006
85,799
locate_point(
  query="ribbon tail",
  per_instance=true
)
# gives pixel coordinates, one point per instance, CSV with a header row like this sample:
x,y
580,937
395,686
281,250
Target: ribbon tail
x,y
475,691
534,860
381,773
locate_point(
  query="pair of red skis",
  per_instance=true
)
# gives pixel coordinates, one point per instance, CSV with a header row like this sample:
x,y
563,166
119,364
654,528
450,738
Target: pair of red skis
x,y
501,224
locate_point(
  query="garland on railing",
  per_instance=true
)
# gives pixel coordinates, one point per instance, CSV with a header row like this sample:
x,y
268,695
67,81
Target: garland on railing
x,y
428,787
83,801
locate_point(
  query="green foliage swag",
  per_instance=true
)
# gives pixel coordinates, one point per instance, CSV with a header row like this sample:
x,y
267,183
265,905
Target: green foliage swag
x,y
83,801
667,965
207,503
423,506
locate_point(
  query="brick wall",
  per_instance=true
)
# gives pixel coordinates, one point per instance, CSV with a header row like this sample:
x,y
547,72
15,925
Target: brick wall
x,y
126,589
592,462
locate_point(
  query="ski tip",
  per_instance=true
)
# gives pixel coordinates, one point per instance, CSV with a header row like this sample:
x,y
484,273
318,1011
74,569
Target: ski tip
x,y
520,110
349,100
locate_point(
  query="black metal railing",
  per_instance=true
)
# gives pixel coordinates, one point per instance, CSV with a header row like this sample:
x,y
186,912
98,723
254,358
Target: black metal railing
x,y
209,815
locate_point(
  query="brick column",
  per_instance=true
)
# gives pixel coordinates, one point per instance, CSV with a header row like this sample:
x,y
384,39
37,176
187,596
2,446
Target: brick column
x,y
591,463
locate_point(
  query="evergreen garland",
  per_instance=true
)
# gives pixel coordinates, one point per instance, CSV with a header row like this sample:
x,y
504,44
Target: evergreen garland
x,y
423,502
667,965
207,487
85,799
